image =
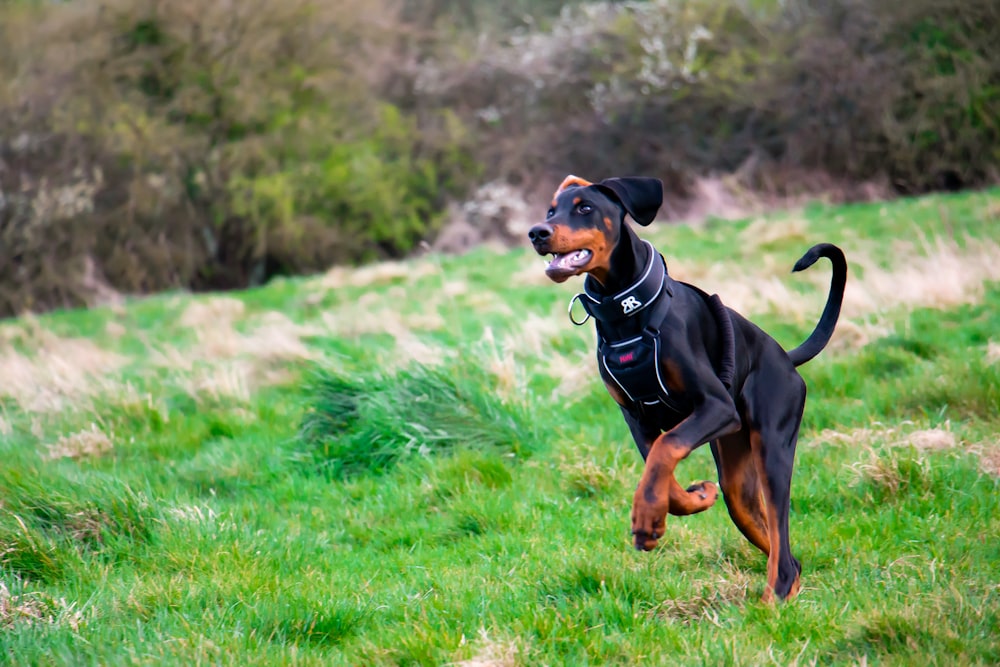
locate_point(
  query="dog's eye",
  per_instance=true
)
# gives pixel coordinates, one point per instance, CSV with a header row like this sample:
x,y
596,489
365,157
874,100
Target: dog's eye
x,y
551,213
584,209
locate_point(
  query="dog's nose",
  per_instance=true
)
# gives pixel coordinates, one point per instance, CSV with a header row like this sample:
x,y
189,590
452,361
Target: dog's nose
x,y
539,233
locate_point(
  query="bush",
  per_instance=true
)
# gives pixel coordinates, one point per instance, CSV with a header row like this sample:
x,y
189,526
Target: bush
x,y
377,195
775,92
191,144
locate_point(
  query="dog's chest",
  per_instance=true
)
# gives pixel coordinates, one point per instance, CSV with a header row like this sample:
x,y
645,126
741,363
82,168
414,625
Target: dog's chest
x,y
632,371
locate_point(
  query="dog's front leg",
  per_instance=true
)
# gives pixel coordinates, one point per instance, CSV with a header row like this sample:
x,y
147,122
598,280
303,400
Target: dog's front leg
x,y
659,492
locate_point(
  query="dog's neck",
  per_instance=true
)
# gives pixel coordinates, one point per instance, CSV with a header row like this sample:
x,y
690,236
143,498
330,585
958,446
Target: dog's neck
x,y
641,295
628,260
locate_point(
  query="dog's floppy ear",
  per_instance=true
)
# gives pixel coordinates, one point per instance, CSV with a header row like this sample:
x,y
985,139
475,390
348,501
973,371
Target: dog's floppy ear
x,y
640,196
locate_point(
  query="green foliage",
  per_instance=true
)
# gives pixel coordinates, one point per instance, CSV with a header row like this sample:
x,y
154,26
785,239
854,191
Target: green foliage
x,y
208,147
374,195
310,622
43,529
369,423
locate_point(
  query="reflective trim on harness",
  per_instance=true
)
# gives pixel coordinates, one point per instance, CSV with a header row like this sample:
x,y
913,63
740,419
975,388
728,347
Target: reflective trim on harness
x,y
604,360
656,365
645,273
632,301
623,343
629,367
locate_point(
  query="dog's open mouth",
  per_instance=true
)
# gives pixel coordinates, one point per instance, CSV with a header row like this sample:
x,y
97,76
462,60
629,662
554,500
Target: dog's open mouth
x,y
566,264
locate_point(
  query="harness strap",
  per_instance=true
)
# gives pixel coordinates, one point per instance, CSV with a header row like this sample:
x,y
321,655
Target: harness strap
x,y
632,362
632,301
649,300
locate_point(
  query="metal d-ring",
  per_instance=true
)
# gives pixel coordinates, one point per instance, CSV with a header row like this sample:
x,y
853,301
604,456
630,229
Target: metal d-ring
x,y
569,312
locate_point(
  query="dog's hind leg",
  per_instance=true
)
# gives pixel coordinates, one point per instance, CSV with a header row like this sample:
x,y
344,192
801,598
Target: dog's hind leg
x,y
773,433
741,487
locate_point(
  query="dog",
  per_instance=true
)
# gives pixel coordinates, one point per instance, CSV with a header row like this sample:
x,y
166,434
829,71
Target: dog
x,y
685,370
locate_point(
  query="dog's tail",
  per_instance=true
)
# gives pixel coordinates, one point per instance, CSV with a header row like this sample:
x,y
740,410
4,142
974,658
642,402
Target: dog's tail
x,y
820,336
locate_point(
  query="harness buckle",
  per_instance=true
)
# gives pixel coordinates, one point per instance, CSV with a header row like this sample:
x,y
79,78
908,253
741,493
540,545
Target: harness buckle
x,y
569,312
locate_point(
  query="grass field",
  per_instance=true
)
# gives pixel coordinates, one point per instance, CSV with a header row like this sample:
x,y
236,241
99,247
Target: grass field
x,y
415,463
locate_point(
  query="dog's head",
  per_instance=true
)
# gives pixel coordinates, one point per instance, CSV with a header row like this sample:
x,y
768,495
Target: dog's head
x,y
584,223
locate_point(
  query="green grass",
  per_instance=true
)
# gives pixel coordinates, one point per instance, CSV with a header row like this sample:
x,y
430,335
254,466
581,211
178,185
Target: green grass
x,y
436,475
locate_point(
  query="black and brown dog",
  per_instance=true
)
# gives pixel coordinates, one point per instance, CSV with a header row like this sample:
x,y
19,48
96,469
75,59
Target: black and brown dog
x,y
686,370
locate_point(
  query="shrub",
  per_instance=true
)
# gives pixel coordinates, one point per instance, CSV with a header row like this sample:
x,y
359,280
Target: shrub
x,y
775,92
378,194
202,145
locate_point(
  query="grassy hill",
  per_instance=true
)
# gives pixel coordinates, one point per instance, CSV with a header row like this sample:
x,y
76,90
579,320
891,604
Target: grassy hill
x,y
415,463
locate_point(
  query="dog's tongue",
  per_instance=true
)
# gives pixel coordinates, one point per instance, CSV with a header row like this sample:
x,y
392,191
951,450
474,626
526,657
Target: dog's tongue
x,y
569,260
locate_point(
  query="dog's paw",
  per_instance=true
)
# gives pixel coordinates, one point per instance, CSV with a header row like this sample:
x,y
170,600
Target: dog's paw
x,y
703,494
643,542
648,525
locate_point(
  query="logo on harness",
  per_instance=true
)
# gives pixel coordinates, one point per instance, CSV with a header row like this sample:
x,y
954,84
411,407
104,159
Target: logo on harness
x,y
630,304
633,365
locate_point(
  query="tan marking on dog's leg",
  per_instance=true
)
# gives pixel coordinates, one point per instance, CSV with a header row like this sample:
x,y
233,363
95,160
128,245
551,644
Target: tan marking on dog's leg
x,y
658,494
773,532
741,489
674,376
699,498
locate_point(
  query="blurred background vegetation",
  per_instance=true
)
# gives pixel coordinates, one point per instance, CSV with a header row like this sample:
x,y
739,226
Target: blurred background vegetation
x,y
213,144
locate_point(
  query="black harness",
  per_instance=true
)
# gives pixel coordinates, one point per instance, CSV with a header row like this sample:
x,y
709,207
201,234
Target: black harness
x,y
633,362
